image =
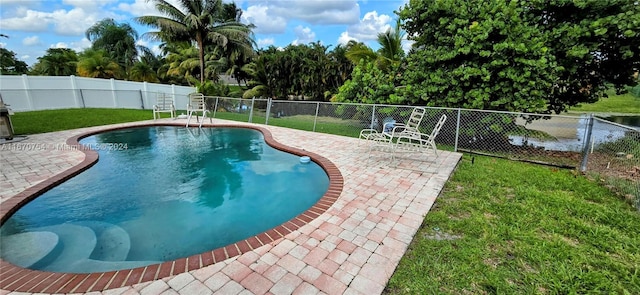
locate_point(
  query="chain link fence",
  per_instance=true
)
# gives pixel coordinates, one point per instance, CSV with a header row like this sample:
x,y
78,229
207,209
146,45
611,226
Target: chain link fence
x,y
606,151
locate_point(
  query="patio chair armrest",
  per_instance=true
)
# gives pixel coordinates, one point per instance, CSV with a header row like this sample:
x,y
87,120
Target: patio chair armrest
x,y
402,129
366,133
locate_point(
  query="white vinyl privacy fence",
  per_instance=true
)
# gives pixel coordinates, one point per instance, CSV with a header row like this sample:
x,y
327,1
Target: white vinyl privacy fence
x,y
31,93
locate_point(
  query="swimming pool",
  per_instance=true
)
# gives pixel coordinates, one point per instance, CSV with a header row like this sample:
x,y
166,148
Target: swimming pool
x,y
162,193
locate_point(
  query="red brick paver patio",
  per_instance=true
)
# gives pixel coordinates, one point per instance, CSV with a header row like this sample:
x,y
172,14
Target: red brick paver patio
x,y
352,248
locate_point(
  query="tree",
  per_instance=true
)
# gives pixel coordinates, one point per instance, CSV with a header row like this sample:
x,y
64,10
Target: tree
x,y
538,56
118,40
57,62
390,41
340,68
369,84
594,42
357,51
390,52
303,71
143,72
98,64
202,21
10,65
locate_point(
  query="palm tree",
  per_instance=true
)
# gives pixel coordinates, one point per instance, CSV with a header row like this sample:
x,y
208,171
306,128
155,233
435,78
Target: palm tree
x,y
142,71
57,62
390,52
201,21
391,45
98,64
356,51
118,40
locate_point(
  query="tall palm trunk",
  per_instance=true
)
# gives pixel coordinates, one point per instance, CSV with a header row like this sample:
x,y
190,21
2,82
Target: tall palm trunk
x,y
200,44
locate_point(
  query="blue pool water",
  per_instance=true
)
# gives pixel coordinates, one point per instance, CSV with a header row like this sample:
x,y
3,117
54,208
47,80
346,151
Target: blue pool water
x,y
158,194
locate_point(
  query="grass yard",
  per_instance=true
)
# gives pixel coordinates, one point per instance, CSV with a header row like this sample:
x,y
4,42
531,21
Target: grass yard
x,y
56,120
499,227
503,227
624,103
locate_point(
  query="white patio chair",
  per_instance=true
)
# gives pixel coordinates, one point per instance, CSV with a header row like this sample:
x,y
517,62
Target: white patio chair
x,y
197,104
392,129
164,104
417,142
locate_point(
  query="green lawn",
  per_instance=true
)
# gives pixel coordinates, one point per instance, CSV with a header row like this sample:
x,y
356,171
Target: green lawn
x,y
503,227
56,120
624,103
499,227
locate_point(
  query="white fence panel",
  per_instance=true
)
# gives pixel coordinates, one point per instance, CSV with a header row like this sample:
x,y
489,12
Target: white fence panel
x,y
27,93
96,98
43,99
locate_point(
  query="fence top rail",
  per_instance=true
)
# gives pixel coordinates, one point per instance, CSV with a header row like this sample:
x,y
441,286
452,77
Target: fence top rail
x,y
629,128
577,116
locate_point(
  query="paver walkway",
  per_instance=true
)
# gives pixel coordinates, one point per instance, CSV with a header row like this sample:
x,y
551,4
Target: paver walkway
x,y
353,248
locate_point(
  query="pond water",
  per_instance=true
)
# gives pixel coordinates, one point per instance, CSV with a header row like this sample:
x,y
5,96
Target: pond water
x,y
602,132
632,121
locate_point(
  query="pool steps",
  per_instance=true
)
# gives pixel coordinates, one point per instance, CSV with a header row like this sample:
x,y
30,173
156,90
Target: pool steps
x,y
77,244
30,249
82,247
113,242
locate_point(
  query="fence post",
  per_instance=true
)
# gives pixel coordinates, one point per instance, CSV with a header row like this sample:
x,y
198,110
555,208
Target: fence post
x,y
74,89
145,90
141,99
587,143
373,118
315,119
253,100
266,120
173,94
455,148
84,105
27,91
113,93
215,107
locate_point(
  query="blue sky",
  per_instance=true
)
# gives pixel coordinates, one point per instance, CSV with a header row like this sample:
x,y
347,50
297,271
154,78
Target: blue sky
x,y
33,26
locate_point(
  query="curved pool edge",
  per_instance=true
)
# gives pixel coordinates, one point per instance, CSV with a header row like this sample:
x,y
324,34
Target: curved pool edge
x,y
15,278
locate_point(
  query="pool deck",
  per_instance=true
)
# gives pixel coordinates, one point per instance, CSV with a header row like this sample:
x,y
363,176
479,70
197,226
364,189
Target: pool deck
x,y
351,248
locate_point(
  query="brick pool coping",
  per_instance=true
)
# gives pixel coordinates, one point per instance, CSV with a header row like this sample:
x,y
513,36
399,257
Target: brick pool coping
x,y
15,278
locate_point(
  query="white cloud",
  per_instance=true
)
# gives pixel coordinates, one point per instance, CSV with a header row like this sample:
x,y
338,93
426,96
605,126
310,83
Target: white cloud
x,y
271,17
345,38
59,45
72,22
406,45
368,28
266,22
6,3
88,5
318,11
77,46
24,57
3,45
31,41
144,7
26,20
265,42
304,35
139,8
